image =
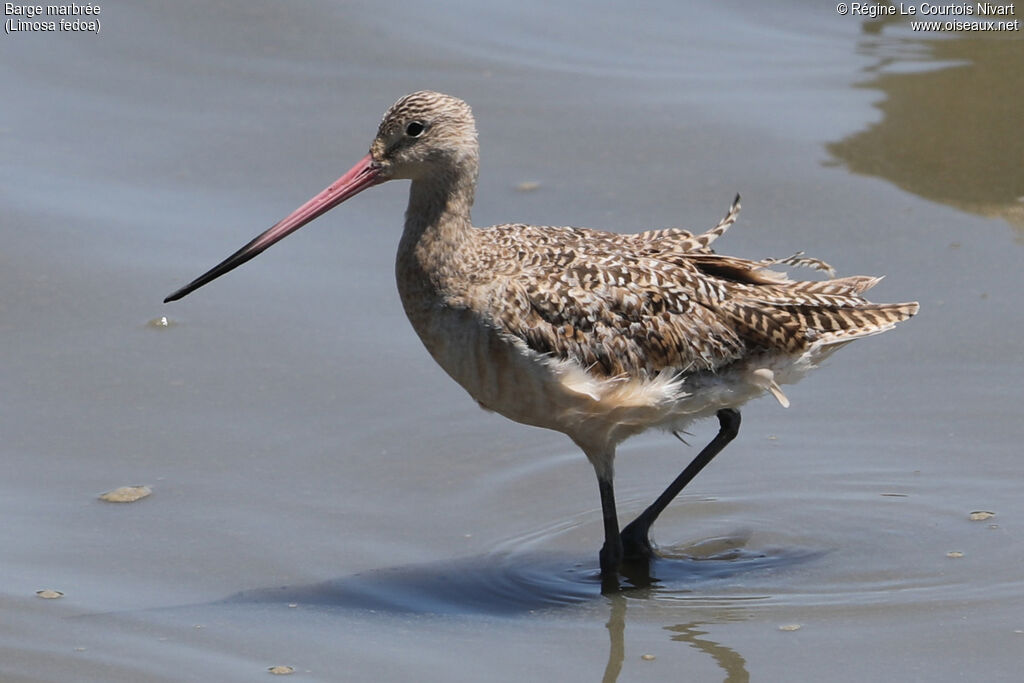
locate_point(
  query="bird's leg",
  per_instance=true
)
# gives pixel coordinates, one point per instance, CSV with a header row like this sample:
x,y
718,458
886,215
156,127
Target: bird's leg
x,y
635,540
611,551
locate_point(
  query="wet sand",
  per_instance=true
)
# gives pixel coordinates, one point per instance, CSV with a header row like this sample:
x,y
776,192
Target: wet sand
x,y
325,498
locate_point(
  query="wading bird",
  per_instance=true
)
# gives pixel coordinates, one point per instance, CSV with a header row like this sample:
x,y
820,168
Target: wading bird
x,y
594,334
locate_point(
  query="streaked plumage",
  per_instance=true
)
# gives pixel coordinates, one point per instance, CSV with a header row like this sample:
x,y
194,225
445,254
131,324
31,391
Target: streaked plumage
x,y
601,335
594,334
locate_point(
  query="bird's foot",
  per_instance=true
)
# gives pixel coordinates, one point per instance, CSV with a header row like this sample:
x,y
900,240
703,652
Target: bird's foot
x,y
636,539
611,558
636,545
631,564
611,561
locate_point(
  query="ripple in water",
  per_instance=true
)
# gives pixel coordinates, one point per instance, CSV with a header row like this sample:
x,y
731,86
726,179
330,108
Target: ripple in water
x,y
510,583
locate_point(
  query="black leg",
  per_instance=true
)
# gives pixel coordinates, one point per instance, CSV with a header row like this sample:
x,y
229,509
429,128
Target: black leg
x,y
611,551
635,540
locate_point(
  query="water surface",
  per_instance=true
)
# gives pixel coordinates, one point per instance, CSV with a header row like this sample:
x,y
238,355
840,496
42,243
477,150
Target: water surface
x,y
326,498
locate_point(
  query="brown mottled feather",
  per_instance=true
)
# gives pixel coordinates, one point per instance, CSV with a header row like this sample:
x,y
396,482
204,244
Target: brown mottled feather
x,y
627,304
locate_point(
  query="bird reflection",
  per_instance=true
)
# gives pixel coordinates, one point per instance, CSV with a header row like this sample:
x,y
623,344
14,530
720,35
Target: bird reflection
x,y
732,663
716,557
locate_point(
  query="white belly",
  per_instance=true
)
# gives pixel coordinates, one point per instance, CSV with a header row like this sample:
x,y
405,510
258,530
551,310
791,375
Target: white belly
x,y
502,374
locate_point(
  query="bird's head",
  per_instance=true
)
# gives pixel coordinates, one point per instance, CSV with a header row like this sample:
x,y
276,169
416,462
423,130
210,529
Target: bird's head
x,y
423,135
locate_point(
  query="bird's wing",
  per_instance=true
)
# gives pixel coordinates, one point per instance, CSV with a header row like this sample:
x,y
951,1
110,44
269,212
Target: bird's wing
x,y
620,310
585,296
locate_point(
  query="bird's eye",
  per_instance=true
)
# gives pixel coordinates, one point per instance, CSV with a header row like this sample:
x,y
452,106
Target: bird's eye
x,y
414,129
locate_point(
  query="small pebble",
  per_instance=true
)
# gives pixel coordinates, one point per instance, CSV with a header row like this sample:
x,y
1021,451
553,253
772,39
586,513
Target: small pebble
x,y
528,186
126,494
790,627
281,670
981,515
49,594
955,554
647,657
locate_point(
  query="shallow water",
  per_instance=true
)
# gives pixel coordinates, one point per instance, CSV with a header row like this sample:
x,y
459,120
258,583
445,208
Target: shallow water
x,y
326,498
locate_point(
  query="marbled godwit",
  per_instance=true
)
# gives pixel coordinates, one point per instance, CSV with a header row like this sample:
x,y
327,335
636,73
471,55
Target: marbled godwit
x,y
596,335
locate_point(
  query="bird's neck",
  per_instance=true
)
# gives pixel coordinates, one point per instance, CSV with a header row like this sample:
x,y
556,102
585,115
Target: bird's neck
x,y
437,220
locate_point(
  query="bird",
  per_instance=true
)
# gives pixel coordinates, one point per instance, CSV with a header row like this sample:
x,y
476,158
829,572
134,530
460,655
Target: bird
x,y
597,335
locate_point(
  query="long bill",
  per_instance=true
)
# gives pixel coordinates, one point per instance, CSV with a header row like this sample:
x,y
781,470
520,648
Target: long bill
x,y
364,174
